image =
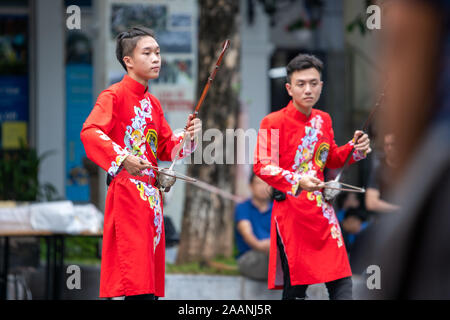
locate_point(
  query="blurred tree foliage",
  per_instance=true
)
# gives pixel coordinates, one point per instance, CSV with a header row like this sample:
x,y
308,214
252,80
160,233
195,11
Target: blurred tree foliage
x,y
19,176
81,250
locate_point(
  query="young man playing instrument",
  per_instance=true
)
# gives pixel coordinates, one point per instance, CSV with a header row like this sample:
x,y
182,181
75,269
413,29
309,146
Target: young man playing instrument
x,y
125,134
295,145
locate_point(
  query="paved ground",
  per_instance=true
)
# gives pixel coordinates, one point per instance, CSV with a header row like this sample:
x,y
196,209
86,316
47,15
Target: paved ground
x,y
184,287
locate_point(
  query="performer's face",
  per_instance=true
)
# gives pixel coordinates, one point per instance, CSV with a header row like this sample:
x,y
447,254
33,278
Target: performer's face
x,y
145,62
305,88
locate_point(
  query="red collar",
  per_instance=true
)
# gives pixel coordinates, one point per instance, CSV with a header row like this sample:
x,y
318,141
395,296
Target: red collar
x,y
133,85
294,113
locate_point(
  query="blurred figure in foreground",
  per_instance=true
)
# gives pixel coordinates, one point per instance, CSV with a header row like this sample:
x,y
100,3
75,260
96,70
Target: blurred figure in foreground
x,y
411,247
253,230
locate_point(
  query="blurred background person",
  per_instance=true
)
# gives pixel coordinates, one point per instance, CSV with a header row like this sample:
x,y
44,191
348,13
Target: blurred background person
x,y
378,193
252,219
352,218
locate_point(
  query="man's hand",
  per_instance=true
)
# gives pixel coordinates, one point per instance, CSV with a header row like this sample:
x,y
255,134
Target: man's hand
x,y
264,245
352,225
310,183
362,142
135,165
244,227
194,126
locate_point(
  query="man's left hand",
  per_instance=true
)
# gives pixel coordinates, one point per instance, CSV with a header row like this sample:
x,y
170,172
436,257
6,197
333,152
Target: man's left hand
x,y
194,126
362,142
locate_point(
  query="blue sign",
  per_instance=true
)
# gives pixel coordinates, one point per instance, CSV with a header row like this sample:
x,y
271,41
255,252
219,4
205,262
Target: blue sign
x,y
13,98
79,103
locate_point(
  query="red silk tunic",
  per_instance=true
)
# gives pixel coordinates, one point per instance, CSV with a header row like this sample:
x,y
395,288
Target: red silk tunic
x,y
291,145
128,120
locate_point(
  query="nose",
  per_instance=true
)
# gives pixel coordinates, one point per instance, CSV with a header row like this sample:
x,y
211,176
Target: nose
x,y
155,58
308,88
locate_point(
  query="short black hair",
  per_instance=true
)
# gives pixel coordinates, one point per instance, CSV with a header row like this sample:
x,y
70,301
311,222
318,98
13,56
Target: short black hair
x,y
126,42
303,62
252,177
357,213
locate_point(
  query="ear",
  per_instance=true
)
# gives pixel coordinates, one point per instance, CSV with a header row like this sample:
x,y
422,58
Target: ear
x,y
288,88
128,62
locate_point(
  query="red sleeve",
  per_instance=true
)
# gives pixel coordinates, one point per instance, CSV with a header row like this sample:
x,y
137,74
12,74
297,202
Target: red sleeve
x,y
169,142
266,162
99,147
338,155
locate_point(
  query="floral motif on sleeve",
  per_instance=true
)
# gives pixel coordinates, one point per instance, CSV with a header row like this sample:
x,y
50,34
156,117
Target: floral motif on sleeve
x,y
121,154
103,136
357,155
271,170
291,177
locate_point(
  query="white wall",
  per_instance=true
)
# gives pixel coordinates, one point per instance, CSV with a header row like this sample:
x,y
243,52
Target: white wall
x,y
50,90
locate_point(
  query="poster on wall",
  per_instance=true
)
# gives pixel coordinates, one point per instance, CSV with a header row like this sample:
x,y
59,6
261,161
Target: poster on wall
x,y
79,103
14,81
172,22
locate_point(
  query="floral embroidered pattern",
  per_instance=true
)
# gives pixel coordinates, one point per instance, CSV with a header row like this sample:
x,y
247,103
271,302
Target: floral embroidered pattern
x,y
328,212
357,155
271,170
134,138
305,151
121,154
322,155
336,234
303,161
291,177
151,194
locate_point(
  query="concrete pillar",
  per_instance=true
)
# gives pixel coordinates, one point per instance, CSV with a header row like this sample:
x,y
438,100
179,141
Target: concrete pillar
x,y
50,91
256,49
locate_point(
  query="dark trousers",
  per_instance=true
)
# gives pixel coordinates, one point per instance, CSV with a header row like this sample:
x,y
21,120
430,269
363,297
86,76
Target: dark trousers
x,y
340,289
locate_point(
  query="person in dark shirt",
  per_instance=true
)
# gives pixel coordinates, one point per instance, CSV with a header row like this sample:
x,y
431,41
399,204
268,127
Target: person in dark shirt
x,y
380,183
252,219
352,218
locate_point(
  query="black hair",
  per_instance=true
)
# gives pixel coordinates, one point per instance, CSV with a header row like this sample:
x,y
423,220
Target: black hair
x,y
126,42
252,177
357,213
303,62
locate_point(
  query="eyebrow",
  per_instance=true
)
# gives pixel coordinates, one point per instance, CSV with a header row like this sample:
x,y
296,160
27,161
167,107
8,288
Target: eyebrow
x,y
151,48
307,80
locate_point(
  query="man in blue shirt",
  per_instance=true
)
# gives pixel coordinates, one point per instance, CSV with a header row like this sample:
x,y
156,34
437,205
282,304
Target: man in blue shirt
x,y
252,219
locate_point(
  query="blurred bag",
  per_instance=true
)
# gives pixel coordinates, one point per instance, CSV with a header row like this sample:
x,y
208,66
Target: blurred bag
x,y
52,216
63,216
